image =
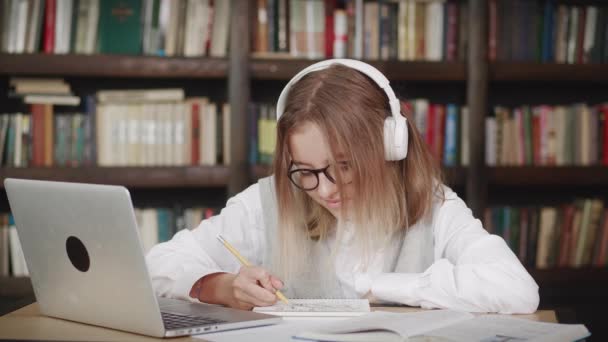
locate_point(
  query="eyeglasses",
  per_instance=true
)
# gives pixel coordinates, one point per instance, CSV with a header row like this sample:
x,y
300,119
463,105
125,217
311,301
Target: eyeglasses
x,y
308,179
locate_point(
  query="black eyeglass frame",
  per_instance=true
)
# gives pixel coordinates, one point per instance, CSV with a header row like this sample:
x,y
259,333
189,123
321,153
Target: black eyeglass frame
x,y
316,172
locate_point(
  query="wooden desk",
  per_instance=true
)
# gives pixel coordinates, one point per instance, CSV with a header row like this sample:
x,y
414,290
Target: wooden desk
x,y
27,324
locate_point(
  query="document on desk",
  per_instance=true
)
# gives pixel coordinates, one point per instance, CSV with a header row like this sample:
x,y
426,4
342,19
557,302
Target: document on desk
x,y
442,325
318,308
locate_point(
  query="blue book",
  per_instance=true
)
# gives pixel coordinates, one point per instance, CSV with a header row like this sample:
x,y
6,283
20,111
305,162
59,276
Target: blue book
x,y
451,135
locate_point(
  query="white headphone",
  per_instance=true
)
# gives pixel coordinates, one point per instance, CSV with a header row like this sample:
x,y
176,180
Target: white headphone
x,y
395,126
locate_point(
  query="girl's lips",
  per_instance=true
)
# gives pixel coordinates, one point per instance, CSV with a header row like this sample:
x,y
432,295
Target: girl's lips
x,y
333,204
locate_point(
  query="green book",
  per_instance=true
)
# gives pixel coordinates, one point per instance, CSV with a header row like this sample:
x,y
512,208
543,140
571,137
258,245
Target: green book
x,y
120,27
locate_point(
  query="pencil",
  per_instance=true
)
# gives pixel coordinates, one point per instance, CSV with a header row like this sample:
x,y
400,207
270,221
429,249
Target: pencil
x,y
246,263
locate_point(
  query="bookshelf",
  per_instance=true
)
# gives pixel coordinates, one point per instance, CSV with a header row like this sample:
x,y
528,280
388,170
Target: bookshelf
x,y
285,69
135,177
72,65
244,77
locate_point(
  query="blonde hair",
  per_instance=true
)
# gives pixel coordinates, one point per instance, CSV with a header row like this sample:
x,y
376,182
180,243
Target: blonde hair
x,y
349,109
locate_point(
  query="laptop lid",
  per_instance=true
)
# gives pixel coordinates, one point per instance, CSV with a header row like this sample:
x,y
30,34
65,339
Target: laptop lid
x,y
84,255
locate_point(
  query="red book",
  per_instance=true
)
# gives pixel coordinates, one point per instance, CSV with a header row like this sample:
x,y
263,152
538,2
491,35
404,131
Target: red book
x,y
566,237
49,26
452,32
604,111
330,6
196,126
439,131
38,134
536,138
580,34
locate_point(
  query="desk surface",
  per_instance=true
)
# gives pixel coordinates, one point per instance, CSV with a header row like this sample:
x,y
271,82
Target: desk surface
x,y
27,324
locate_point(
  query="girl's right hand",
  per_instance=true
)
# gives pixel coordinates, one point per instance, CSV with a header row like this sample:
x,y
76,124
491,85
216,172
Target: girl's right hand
x,y
254,286
251,286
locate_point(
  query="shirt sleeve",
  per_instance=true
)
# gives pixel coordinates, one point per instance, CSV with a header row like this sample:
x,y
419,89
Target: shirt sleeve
x,y
175,265
473,270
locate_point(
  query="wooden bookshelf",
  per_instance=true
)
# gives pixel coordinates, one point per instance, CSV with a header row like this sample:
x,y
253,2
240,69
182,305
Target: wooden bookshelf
x,y
572,278
134,177
286,68
548,175
112,66
15,286
512,71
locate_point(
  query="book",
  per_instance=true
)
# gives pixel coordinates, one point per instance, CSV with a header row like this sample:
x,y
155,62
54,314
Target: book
x,y
443,325
318,308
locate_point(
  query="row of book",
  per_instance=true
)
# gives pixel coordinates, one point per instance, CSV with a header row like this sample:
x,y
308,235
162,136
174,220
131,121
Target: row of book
x,y
547,31
155,225
548,135
441,127
152,27
571,235
120,128
377,30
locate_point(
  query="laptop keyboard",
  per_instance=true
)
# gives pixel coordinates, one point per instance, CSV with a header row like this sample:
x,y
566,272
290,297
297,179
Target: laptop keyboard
x,y
176,321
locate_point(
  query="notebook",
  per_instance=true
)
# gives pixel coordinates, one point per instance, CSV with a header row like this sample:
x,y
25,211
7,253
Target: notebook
x,y
318,307
442,325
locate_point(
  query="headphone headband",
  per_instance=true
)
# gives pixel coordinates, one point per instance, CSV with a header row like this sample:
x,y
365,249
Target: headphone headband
x,y
362,67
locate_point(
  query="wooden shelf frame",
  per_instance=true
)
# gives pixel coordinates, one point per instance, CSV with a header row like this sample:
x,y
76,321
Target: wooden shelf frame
x,y
132,177
548,175
285,69
100,65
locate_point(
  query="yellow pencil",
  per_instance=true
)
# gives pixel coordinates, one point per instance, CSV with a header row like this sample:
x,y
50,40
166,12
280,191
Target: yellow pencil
x,y
246,263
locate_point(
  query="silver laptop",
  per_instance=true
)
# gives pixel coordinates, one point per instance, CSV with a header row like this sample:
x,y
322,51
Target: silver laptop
x,y
86,263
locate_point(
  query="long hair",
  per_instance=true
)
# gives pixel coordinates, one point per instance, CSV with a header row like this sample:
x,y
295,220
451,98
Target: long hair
x,y
390,196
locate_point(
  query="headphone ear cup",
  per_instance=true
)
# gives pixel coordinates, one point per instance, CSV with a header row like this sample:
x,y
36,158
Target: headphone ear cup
x,y
394,150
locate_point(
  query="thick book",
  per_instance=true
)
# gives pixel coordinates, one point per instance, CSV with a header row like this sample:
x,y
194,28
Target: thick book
x,y
442,325
120,29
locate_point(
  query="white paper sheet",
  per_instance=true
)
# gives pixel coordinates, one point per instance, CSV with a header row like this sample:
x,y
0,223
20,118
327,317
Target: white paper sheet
x,y
318,307
500,328
271,333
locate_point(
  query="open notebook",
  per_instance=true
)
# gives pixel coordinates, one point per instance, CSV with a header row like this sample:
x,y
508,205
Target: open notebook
x,y
442,325
318,307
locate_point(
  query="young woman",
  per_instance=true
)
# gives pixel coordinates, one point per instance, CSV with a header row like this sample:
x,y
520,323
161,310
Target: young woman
x,y
355,208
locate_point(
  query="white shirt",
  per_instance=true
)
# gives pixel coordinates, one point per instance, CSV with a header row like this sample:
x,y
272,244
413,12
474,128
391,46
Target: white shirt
x,y
473,270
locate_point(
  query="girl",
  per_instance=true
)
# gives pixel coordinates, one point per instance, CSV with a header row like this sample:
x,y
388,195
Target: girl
x,y
355,208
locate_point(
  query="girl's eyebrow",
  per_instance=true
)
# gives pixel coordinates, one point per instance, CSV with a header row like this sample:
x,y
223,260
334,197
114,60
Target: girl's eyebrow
x,y
299,163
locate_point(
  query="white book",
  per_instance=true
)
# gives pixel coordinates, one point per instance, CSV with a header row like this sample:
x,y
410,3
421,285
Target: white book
x,y
572,35
11,26
318,308
196,27
434,31
464,136
141,95
491,141
18,141
340,33
221,29
17,259
22,24
442,325
90,42
589,36
208,139
179,134
227,137
64,100
149,229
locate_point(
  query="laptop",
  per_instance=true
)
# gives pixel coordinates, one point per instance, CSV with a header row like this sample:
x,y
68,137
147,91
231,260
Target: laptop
x,y
86,262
